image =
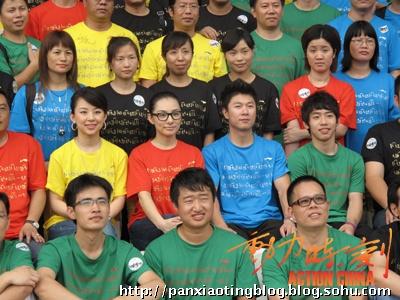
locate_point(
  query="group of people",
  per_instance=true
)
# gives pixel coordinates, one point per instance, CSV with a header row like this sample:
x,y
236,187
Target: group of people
x,y
202,128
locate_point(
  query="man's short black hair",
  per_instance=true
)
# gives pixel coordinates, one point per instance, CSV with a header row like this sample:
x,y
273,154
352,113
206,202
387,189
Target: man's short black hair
x,y
171,3
193,179
319,100
297,181
254,2
83,182
6,202
235,88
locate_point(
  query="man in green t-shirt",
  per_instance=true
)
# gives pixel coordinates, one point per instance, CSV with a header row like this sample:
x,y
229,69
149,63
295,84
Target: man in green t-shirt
x,y
317,261
278,57
17,276
196,256
340,169
92,265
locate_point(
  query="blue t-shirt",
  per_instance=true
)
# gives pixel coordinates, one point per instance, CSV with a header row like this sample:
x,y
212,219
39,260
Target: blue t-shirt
x,y
389,43
50,118
394,19
344,5
374,104
244,177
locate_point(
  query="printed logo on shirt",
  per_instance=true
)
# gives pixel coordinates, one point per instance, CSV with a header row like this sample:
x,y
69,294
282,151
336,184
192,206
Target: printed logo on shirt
x,y
243,19
277,102
304,93
135,264
384,29
39,98
138,100
22,246
371,143
214,43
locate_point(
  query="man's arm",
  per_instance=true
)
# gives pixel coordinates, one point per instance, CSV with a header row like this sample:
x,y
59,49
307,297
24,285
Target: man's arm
x,y
281,185
18,283
58,205
217,219
375,183
36,207
292,135
150,281
354,213
209,138
49,289
29,72
378,268
341,130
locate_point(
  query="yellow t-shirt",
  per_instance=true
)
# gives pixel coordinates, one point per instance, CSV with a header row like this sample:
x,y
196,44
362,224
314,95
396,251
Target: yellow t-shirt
x,y
68,162
208,60
91,47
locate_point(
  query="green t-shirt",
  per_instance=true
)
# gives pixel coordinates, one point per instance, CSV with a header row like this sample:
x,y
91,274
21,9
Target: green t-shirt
x,y
275,65
296,21
242,4
342,173
211,264
18,56
97,279
285,266
14,254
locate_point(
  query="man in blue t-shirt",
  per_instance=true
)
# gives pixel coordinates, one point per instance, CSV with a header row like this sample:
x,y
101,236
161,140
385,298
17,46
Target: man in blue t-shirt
x,y
246,169
389,43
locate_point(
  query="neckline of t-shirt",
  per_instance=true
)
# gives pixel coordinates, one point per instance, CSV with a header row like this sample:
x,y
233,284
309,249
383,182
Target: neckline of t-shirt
x,y
241,148
89,154
196,245
164,150
84,256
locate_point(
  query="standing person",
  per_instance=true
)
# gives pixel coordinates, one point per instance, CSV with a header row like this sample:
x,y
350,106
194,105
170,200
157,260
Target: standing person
x,y
270,62
91,38
127,101
321,44
238,47
389,42
87,152
89,264
391,13
152,166
199,111
374,89
47,119
54,15
142,21
17,276
208,61
302,14
20,56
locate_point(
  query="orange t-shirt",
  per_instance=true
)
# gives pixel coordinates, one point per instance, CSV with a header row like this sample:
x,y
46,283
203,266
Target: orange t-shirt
x,y
152,169
295,93
21,170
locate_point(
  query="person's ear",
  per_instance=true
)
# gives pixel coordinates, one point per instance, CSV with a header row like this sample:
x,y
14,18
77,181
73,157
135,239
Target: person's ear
x,y
71,213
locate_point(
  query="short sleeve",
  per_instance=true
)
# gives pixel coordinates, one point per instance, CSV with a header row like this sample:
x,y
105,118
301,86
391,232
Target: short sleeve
x,y
121,170
357,176
138,178
18,118
213,122
21,255
373,146
287,109
37,170
280,166
152,256
347,107
219,63
135,266
274,276
246,275
56,181
211,164
49,258
148,68
4,65
296,164
271,114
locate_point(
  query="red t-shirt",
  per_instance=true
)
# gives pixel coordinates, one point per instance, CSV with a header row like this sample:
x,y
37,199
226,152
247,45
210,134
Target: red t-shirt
x,y
21,170
295,92
49,17
152,169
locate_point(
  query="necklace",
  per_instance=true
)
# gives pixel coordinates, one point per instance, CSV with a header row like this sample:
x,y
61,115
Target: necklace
x,y
61,129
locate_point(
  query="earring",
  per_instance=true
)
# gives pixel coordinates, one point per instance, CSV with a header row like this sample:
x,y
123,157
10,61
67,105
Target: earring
x,y
73,127
104,126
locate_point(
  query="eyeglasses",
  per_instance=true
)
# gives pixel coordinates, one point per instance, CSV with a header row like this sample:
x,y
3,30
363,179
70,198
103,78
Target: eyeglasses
x,y
89,202
163,116
306,201
359,41
183,6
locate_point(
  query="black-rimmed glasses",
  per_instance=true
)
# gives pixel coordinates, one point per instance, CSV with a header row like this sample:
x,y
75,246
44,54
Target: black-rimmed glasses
x,y
306,201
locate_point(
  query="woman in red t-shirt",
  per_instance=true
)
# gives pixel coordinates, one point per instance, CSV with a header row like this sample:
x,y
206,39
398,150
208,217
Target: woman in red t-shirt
x,y
321,45
151,168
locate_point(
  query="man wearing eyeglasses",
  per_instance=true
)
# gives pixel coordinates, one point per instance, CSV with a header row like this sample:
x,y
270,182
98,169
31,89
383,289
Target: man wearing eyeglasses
x,y
340,169
316,256
89,264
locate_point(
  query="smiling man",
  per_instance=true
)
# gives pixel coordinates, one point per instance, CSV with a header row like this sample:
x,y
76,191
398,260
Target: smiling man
x,y
89,264
339,169
196,254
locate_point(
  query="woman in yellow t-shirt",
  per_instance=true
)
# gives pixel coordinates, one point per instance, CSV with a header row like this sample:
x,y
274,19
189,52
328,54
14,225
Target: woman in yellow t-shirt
x,y
86,153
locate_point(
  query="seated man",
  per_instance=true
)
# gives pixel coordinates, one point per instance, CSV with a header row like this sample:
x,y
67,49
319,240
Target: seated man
x,y
317,255
390,236
340,169
196,254
17,277
90,264
246,168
